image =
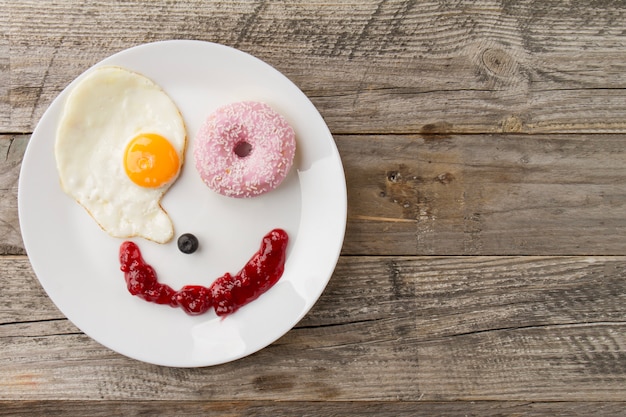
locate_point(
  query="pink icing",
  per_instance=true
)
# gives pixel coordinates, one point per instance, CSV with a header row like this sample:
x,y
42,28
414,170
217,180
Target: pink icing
x,y
224,137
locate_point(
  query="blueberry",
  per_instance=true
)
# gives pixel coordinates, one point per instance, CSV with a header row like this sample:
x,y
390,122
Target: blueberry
x,y
188,243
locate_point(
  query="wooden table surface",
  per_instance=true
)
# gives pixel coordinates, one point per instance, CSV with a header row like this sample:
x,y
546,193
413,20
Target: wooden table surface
x,y
484,265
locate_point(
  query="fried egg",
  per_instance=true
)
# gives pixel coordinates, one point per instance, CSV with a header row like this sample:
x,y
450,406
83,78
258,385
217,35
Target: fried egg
x,y
119,146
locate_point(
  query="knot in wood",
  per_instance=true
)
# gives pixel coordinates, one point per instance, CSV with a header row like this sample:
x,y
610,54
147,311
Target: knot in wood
x,y
498,62
512,124
393,176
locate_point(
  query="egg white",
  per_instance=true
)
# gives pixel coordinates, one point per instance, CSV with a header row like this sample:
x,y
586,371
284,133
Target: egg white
x,y
102,113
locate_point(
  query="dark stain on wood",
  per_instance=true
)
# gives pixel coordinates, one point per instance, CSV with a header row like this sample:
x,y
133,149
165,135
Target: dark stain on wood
x,y
274,382
323,390
394,279
435,132
247,22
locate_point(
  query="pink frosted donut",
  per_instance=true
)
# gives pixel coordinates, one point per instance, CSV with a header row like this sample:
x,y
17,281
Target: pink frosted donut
x,y
244,149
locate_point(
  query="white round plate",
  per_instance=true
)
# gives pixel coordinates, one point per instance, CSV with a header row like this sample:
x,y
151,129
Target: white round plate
x,y
77,263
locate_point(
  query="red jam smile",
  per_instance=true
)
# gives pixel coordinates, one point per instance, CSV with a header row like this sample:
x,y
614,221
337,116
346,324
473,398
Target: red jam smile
x,y
227,294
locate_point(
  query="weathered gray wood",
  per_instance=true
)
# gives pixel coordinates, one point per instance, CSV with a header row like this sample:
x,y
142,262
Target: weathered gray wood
x,y
12,149
456,194
485,194
310,409
466,128
370,67
5,101
385,329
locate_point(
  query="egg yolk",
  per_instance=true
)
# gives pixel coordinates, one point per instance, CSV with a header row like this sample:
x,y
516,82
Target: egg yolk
x,y
150,160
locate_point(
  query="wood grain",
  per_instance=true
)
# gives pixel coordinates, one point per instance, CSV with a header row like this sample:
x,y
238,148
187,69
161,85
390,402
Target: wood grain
x,y
433,329
370,67
483,267
485,194
12,149
316,409
455,194
5,101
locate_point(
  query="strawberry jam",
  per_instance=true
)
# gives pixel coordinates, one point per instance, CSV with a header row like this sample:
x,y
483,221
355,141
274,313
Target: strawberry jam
x,y
227,294
260,273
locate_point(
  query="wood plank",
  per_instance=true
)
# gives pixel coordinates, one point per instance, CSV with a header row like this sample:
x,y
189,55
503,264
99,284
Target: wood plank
x,y
455,194
389,328
300,408
485,194
388,67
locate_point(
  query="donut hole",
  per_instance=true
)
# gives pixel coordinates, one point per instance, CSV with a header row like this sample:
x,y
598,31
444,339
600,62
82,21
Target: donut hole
x,y
242,149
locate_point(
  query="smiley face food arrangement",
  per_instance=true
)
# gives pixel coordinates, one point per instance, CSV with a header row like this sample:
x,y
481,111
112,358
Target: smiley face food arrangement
x,y
227,294
120,146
